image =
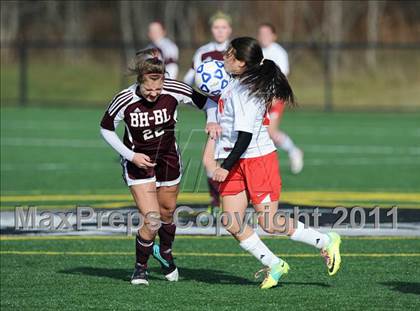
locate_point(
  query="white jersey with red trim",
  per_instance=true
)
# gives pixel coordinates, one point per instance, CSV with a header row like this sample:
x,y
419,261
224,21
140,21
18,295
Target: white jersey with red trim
x,y
277,54
240,111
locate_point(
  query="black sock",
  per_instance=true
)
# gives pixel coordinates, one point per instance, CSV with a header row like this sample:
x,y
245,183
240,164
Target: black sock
x,y
166,235
144,248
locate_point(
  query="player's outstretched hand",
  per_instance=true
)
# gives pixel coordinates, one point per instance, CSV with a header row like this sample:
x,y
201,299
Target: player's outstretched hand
x,y
142,161
220,174
214,130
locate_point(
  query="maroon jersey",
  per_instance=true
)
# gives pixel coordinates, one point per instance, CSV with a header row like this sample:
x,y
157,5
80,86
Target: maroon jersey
x,y
150,126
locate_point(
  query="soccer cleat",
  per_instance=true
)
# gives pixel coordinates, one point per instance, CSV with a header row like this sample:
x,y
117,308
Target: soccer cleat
x,y
168,266
273,274
331,253
140,275
296,160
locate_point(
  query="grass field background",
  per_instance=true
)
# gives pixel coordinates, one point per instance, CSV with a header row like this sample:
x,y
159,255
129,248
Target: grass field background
x,y
96,75
47,151
76,273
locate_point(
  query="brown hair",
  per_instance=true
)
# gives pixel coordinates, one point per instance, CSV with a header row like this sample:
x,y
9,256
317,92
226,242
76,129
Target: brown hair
x,y
147,61
268,25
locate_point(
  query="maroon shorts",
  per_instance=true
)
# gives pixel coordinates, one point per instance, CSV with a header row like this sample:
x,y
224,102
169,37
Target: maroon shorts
x,y
167,172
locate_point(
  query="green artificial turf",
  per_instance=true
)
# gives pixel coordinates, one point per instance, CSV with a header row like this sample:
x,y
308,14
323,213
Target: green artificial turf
x,y
59,150
215,274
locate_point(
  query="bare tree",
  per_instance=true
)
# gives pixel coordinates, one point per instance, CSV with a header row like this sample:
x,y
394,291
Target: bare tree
x,y
9,24
289,17
373,17
74,28
126,26
170,16
332,29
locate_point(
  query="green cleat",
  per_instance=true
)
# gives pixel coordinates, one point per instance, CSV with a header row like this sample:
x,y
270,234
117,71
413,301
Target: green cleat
x,y
273,274
331,253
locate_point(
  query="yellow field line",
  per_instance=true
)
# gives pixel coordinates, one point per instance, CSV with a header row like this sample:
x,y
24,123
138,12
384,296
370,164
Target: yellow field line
x,y
187,196
55,253
182,237
323,204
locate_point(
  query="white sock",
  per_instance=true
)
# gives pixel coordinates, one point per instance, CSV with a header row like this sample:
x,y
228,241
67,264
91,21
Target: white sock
x,y
310,236
283,141
256,247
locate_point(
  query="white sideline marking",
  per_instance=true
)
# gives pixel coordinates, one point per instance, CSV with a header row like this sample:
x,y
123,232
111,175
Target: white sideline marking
x,y
340,130
98,143
53,142
61,166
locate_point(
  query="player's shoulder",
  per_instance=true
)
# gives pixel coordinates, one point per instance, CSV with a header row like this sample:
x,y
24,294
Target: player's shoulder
x,y
278,47
169,43
172,86
206,48
129,91
123,98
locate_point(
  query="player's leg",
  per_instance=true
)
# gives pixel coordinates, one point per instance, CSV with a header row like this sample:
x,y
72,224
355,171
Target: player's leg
x,y
235,201
146,200
167,196
284,142
276,223
168,175
213,186
265,193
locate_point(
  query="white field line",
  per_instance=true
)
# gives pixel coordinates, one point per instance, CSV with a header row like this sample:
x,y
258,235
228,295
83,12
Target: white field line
x,y
98,143
61,166
53,142
344,130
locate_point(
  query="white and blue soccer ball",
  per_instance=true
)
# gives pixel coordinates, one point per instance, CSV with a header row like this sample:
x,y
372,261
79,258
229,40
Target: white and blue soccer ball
x,y
211,77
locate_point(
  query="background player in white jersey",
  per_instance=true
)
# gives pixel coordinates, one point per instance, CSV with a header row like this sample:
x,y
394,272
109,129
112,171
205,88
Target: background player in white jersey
x,y
152,167
271,50
221,30
249,169
168,49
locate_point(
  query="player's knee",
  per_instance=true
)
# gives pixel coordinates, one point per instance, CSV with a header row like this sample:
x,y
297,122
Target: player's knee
x,y
269,229
266,225
167,211
152,222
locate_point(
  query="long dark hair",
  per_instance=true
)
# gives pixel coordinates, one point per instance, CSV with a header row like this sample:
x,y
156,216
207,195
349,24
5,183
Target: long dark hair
x,y
262,76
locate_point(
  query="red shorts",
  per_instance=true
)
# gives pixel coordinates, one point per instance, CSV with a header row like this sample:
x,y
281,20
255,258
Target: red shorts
x,y
259,176
276,110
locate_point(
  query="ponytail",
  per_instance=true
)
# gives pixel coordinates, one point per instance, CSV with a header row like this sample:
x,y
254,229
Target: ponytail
x,y
266,81
262,76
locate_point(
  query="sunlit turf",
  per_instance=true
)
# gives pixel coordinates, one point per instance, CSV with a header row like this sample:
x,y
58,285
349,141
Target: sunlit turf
x,y
216,274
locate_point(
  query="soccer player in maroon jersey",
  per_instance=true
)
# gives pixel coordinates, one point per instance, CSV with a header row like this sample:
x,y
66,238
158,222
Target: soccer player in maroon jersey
x,y
221,29
149,154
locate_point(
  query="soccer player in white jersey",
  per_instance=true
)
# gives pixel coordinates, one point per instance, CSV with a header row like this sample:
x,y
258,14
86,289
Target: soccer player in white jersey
x,y
221,30
168,49
275,52
149,153
249,169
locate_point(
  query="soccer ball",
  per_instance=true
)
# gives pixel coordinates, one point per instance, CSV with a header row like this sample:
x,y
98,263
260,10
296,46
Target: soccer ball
x,y
211,77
